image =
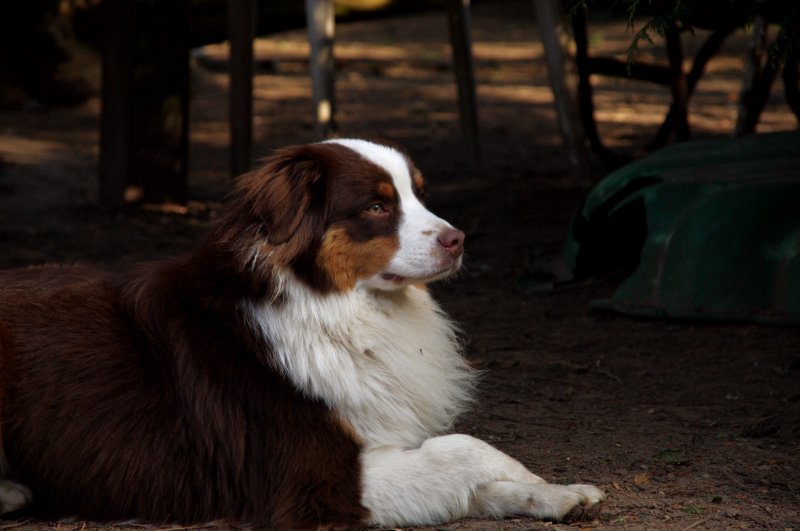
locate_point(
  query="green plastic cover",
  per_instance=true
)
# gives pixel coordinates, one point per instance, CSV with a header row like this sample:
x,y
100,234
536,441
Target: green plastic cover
x,y
706,229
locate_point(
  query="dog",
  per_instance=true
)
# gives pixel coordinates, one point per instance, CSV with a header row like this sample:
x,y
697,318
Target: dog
x,y
293,371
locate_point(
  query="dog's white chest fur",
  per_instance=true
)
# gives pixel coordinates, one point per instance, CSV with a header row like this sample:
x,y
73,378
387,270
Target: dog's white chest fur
x,y
389,363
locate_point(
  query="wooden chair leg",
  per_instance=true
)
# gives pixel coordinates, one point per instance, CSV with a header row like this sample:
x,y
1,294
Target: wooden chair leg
x,y
241,31
458,16
115,115
320,25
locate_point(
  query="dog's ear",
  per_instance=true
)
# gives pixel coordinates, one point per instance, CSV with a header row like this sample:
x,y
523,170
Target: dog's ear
x,y
286,194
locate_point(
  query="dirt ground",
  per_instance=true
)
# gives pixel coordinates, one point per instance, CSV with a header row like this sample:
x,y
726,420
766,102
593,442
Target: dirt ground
x,y
684,425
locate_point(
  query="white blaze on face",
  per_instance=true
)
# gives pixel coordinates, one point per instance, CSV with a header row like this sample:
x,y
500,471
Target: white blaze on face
x,y
420,257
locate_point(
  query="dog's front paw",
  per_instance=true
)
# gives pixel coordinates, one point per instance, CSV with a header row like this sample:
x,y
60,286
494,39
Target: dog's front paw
x,y
589,502
540,500
564,503
13,496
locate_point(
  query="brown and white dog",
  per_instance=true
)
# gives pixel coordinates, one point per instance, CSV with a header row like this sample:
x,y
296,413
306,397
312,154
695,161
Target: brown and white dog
x,y
291,372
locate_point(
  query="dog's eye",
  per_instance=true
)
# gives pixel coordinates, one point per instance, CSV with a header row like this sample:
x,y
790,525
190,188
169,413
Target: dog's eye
x,y
376,208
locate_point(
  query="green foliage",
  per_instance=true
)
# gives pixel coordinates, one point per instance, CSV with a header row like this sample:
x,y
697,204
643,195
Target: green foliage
x,y
658,25
661,15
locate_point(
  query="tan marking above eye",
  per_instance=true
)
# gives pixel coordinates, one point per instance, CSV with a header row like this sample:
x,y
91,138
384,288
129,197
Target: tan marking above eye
x,y
419,181
386,190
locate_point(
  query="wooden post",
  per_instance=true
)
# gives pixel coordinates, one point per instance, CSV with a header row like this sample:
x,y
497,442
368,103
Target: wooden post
x,y
145,102
115,110
321,28
241,32
458,16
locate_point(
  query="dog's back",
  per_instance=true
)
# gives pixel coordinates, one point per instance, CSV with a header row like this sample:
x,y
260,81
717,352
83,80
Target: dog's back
x,y
159,416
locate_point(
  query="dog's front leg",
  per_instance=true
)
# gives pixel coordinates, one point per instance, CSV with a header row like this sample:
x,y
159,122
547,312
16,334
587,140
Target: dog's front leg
x,y
453,476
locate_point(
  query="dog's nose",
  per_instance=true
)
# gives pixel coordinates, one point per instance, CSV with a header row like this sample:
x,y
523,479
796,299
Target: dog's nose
x,y
452,241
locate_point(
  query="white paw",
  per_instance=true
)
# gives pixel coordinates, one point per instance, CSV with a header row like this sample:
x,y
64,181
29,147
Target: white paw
x,y
590,500
563,502
13,496
540,500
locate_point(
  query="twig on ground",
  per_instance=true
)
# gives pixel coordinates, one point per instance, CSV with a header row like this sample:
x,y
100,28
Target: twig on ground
x,y
12,525
610,374
695,524
763,509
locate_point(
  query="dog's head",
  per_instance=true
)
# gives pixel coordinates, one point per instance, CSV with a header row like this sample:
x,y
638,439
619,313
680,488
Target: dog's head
x,y
341,214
